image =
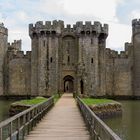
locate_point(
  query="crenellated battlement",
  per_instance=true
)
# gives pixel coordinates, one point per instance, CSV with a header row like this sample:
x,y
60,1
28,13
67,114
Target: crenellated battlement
x,y
91,29
16,45
57,27
115,54
3,30
136,26
47,28
19,55
135,22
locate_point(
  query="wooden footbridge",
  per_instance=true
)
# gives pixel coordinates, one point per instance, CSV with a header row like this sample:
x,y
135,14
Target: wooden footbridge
x,y
62,122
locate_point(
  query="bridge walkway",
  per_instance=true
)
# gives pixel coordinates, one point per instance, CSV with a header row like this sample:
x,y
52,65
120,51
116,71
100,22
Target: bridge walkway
x,y
62,122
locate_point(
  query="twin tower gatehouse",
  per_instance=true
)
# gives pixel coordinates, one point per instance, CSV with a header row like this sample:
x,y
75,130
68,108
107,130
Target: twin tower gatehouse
x,y
69,59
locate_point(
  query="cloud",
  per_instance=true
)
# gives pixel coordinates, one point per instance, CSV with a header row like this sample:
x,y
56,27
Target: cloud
x,y
105,10
52,7
118,35
135,14
20,13
22,16
20,33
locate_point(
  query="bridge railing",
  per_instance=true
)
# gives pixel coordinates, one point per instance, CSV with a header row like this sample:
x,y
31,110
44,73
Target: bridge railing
x,y
97,128
18,126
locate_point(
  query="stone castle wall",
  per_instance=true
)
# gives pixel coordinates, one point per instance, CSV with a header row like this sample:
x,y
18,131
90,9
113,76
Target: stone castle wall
x,y
18,73
69,58
3,50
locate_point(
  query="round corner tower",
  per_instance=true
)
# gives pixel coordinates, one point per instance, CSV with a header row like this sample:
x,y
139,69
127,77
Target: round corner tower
x,y
136,56
3,50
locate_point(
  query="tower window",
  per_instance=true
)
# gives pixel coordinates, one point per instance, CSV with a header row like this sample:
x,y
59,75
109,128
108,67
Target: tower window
x,y
51,60
91,60
53,32
44,43
91,41
68,59
83,32
88,32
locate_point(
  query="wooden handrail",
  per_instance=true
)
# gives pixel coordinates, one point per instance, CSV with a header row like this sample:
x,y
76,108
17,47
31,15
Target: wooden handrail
x,y
18,126
98,129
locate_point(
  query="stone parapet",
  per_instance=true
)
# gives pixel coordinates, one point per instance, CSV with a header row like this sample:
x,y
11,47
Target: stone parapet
x,y
57,27
135,26
3,30
16,45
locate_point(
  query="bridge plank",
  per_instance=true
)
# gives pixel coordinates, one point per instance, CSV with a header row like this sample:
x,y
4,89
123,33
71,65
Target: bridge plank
x,y
63,122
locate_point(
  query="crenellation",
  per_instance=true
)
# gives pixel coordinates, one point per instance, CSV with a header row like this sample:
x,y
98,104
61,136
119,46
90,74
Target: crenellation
x,y
15,46
74,27
123,54
18,54
135,26
107,51
46,29
39,24
128,48
31,26
135,22
88,24
54,23
114,54
28,55
70,59
3,30
48,24
104,29
97,26
79,24
68,26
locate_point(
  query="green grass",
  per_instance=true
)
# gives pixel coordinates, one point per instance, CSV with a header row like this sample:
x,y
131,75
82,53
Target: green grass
x,y
57,96
34,101
90,101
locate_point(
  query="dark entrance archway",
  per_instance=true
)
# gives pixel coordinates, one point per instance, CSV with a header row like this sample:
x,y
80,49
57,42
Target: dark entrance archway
x,y
68,84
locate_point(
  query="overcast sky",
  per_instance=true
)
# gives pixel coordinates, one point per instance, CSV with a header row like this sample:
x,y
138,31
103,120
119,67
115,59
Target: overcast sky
x,y
17,14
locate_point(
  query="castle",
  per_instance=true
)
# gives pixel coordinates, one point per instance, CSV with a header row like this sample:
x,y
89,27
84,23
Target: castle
x,y
69,59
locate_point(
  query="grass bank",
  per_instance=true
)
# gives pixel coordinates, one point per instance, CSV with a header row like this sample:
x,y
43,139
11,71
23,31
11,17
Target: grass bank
x,y
91,101
31,102
104,108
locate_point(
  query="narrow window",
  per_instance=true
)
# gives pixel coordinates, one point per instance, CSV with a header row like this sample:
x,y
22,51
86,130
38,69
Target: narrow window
x,y
82,32
68,43
51,59
91,41
68,59
91,60
44,43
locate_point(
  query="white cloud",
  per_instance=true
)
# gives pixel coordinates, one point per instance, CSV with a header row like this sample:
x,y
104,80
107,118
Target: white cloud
x,y
52,7
20,33
118,35
70,11
135,14
105,10
22,16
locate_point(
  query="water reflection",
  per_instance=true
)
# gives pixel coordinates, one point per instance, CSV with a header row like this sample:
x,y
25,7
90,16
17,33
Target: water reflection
x,y
4,109
127,126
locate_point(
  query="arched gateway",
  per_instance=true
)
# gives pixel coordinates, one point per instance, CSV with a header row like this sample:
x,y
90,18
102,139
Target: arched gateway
x,y
68,84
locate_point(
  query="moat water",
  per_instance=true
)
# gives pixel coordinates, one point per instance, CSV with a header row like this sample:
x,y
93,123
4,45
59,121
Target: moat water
x,y
127,126
4,109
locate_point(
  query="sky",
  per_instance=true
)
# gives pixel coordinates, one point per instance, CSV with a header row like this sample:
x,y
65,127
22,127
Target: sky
x,y
18,14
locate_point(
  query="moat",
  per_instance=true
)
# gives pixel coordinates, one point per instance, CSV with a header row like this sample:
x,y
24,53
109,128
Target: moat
x,y
127,126
4,109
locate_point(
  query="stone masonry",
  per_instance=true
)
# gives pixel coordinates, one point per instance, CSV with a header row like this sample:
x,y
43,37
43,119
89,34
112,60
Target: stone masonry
x,y
69,59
